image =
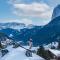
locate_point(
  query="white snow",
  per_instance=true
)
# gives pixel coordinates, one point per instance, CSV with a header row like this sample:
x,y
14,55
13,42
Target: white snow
x,y
11,35
55,44
19,54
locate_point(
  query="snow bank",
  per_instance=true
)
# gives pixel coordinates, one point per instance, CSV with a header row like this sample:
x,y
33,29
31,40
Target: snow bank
x,y
55,44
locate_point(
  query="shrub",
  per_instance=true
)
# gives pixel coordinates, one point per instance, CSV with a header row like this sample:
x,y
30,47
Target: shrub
x,y
15,45
44,53
1,46
4,51
59,45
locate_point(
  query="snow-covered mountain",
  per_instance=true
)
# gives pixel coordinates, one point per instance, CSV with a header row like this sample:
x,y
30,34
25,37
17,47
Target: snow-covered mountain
x,y
56,12
19,54
12,25
15,25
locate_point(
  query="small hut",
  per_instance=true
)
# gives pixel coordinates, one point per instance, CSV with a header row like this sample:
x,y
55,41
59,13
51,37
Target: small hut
x,y
55,54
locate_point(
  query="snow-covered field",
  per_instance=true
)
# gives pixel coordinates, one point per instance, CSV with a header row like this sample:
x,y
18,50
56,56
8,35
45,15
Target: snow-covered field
x,y
19,54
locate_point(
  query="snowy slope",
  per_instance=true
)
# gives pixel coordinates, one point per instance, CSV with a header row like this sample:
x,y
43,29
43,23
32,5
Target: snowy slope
x,y
19,54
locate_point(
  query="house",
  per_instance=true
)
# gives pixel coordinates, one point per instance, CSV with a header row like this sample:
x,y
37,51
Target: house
x,y
55,54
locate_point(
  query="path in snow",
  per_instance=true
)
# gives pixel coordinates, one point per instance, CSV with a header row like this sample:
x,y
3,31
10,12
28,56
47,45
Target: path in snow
x,y
19,54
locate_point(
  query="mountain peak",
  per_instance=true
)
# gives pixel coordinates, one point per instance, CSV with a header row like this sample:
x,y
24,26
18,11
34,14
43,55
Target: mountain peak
x,y
58,6
56,12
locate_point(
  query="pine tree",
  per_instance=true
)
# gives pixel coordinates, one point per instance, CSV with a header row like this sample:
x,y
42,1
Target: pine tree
x,y
59,45
0,45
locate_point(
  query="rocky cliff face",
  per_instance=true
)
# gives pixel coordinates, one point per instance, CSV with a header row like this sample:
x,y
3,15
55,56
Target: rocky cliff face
x,y
56,12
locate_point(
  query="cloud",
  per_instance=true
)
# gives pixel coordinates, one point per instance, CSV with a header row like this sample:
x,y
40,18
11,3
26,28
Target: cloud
x,y
52,3
9,20
23,20
26,21
33,10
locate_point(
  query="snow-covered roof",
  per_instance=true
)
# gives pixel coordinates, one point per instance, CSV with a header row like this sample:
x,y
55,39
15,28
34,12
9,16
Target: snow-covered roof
x,y
19,54
55,52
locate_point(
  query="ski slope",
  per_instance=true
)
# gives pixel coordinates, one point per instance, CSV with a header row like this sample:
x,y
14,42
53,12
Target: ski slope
x,y
19,54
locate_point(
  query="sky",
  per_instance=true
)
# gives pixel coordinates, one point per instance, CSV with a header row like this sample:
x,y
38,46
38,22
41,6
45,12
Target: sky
x,y
36,12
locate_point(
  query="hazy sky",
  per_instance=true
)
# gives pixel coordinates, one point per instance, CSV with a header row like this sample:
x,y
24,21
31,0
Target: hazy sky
x,y
37,12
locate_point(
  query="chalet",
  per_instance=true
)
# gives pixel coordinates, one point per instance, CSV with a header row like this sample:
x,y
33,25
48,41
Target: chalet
x,y
55,54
